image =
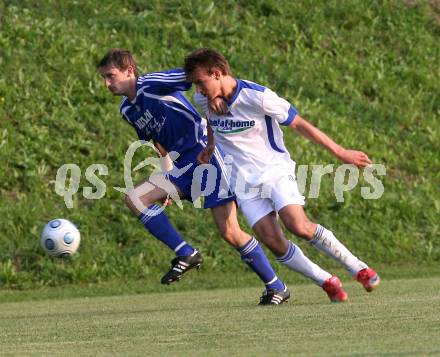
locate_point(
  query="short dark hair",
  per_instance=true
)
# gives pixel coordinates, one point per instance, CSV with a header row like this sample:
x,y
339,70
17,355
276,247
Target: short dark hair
x,y
206,58
120,58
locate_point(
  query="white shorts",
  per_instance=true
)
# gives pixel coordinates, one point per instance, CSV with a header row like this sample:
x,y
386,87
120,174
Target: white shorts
x,y
273,196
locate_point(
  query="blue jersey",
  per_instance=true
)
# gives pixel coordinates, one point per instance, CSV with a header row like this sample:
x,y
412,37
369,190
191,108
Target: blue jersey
x,y
160,112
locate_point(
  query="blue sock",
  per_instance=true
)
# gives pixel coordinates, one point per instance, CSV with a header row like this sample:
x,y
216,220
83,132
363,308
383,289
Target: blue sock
x,y
160,227
254,256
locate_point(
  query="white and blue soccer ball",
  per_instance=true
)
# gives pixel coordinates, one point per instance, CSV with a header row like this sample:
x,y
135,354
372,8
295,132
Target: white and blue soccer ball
x,y
60,238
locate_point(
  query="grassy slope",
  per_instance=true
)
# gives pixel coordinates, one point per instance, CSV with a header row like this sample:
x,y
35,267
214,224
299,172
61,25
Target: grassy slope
x,y
400,319
367,74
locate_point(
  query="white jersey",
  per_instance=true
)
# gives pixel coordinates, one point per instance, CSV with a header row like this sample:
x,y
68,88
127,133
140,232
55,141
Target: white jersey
x,y
250,133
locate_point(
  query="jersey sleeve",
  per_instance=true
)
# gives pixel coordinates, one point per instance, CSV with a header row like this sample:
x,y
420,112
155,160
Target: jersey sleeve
x,y
202,102
278,108
165,82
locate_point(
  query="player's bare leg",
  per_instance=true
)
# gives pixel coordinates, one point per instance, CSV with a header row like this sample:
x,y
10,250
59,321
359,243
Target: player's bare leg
x,y
225,218
144,195
297,222
289,254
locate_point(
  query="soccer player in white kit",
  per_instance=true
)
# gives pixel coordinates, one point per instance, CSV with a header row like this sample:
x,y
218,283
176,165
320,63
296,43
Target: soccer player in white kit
x,y
245,119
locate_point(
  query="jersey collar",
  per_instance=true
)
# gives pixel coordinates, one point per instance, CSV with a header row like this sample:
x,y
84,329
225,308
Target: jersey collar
x,y
236,92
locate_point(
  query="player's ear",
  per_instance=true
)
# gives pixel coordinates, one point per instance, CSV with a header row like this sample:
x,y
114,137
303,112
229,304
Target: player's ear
x,y
216,73
130,70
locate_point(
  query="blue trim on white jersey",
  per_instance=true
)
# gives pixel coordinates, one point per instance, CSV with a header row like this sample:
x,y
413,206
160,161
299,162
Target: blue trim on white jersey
x,y
252,85
244,84
290,116
270,134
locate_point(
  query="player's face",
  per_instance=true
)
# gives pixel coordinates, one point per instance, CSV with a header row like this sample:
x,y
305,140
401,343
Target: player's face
x,y
207,84
117,81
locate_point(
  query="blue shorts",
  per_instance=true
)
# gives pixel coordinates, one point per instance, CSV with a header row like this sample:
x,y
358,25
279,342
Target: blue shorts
x,y
209,181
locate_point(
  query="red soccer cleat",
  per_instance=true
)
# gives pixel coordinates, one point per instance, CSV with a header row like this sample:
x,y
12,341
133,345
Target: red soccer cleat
x,y
334,290
368,278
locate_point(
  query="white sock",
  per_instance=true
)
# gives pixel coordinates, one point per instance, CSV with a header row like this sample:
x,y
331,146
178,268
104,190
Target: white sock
x,y
325,241
296,260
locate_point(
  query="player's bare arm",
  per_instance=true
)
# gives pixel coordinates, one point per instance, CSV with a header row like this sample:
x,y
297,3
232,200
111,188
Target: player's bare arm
x,y
205,155
306,129
217,106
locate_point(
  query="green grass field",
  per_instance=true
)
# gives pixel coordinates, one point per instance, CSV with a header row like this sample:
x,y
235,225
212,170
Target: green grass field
x,y
401,318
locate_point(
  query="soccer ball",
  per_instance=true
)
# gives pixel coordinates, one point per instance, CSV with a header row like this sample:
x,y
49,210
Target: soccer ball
x,y
60,238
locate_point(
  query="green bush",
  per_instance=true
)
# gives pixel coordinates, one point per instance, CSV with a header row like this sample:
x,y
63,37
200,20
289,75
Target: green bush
x,y
367,73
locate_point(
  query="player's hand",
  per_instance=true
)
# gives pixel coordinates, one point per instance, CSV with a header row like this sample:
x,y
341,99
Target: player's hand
x,y
204,156
218,106
354,157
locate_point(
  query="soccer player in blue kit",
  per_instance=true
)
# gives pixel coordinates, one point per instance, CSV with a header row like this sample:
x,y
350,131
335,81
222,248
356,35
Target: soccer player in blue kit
x,y
248,130
154,106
